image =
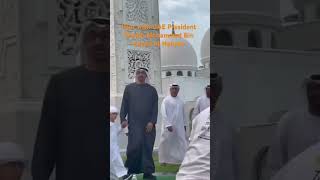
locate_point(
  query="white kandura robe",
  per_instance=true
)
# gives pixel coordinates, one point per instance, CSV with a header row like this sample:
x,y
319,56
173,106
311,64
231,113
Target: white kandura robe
x,y
297,130
196,163
202,103
173,145
116,164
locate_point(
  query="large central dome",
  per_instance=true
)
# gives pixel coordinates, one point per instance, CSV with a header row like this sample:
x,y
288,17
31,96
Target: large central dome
x,y
178,57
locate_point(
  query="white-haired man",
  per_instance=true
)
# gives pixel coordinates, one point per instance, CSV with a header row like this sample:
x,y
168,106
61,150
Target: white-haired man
x,y
71,135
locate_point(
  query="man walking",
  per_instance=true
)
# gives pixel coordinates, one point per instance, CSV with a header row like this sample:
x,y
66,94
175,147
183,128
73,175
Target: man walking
x,y
140,105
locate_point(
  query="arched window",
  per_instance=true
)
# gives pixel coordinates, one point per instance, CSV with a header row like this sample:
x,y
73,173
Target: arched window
x,y
168,73
223,37
254,39
273,40
179,73
189,73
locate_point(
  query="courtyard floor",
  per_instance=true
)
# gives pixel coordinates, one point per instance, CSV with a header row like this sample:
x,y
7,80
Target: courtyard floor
x,y
167,172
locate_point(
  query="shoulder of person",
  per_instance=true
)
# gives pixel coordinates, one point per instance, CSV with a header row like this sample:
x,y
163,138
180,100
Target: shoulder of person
x,y
204,114
130,85
153,88
166,98
199,98
181,100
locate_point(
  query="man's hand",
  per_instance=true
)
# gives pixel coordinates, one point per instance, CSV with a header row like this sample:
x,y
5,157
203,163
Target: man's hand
x,y
124,124
149,127
170,129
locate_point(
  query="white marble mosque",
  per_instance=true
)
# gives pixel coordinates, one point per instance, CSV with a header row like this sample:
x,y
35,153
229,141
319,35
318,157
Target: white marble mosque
x,y
263,59
166,65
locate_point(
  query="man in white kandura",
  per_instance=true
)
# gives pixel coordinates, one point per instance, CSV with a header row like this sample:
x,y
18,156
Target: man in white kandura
x,y
196,164
298,129
202,103
117,169
173,142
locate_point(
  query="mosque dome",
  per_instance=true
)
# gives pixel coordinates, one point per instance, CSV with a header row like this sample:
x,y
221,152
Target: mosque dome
x,y
205,48
178,57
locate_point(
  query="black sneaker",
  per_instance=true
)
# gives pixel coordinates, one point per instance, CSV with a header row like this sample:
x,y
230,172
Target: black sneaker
x,y
127,177
149,177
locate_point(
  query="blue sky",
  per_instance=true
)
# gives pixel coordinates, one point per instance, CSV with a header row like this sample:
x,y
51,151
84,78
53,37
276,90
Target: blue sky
x,y
187,12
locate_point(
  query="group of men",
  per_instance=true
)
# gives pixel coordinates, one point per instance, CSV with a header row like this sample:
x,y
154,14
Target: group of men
x,y
71,136
173,141
139,112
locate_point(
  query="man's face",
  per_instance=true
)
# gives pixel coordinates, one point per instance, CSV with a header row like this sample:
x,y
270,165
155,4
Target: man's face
x,y
141,76
11,171
313,94
208,92
174,91
113,117
96,42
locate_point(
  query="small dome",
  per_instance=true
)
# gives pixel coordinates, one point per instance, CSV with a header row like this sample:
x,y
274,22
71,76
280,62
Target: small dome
x,y
178,57
205,47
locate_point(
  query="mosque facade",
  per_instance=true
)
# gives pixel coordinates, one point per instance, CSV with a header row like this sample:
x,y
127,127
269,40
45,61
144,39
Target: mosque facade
x,y
263,59
166,64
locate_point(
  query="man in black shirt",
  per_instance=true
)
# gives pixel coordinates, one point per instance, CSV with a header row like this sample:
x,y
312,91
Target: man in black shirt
x,y
72,133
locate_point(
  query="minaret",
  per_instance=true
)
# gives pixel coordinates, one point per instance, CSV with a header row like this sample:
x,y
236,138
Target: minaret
x,y
173,28
125,57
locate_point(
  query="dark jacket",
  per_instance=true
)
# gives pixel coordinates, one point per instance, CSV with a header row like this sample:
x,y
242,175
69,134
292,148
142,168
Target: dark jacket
x,y
72,133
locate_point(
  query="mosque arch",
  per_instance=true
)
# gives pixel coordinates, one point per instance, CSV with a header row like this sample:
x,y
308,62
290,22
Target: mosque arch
x,y
189,73
254,39
179,73
168,73
223,37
